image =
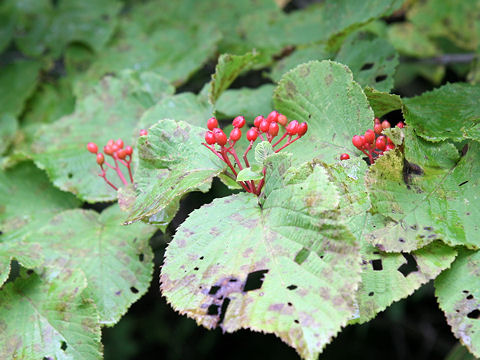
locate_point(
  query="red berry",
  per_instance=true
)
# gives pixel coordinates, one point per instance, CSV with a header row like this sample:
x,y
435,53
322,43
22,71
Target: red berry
x,y
92,147
358,142
212,123
235,134
210,138
143,132
292,127
110,143
252,134
239,122
273,116
108,150
381,143
401,125
220,137
257,121
389,141
389,147
128,150
369,136
344,157
121,154
100,159
376,121
119,143
264,125
282,119
273,129
378,129
115,148
385,124
302,128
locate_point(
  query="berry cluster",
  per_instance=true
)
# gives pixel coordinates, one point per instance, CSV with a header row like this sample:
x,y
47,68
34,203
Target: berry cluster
x,y
373,143
265,129
121,156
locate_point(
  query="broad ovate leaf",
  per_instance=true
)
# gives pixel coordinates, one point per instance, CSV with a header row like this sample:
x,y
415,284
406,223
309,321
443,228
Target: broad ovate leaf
x,y
372,61
381,102
115,103
449,112
246,102
181,107
283,263
18,81
386,277
174,52
324,95
458,291
116,259
430,194
48,316
24,189
323,22
172,162
229,67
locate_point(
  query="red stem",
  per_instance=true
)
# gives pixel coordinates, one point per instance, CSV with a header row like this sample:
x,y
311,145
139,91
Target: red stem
x,y
104,176
279,140
213,150
260,184
289,141
119,172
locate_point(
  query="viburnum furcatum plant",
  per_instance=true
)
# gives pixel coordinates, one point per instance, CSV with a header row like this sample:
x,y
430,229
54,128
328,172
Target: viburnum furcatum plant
x,y
264,129
373,143
120,155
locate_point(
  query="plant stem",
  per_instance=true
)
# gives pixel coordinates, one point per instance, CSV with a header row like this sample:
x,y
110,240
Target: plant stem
x,y
279,140
119,172
104,176
213,150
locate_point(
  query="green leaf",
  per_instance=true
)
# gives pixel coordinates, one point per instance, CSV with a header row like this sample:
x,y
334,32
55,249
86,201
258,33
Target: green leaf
x,y
450,112
386,277
228,68
90,22
262,151
116,259
372,61
172,162
459,352
430,196
174,53
8,129
249,174
381,102
48,316
19,215
223,14
457,21
409,40
19,186
274,30
247,102
181,107
304,260
17,83
115,103
458,291
324,95
299,56
389,277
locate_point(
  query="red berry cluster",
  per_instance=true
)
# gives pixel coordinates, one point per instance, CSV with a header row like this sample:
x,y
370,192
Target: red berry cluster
x,y
121,156
373,143
265,129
